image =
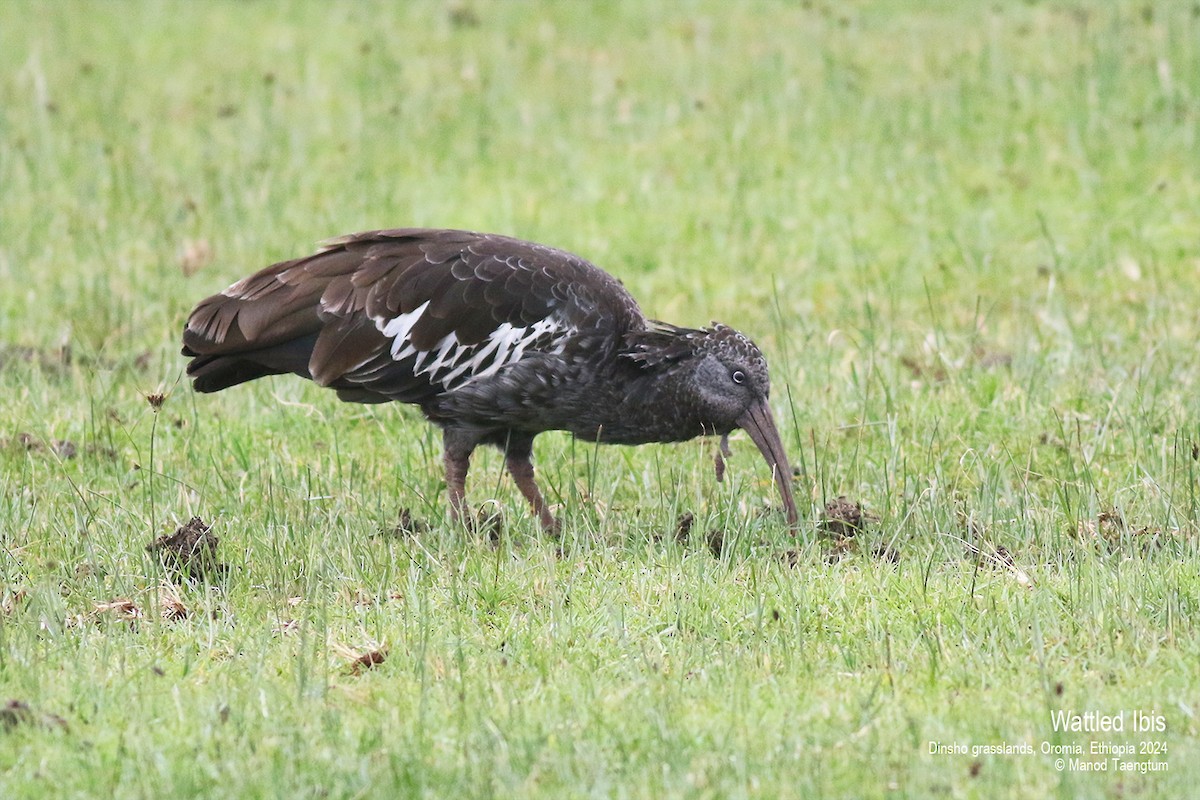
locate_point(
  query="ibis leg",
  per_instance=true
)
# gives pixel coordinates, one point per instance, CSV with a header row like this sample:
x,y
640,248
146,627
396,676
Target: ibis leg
x,y
457,458
517,456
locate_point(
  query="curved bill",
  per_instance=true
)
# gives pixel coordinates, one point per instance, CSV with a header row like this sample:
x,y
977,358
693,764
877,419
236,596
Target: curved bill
x,y
758,422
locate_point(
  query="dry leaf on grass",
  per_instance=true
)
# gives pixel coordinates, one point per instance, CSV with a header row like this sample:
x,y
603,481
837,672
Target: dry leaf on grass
x,y
361,660
367,660
285,627
12,601
120,608
171,604
999,557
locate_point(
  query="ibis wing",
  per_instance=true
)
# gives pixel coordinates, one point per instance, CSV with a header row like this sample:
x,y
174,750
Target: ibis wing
x,y
403,314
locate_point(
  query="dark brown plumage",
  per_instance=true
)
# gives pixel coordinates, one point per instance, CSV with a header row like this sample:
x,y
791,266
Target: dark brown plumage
x,y
496,339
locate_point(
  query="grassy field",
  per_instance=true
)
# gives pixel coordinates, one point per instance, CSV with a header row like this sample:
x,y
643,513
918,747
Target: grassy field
x,y
965,234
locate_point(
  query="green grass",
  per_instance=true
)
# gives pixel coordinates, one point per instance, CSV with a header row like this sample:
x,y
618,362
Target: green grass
x,y
964,233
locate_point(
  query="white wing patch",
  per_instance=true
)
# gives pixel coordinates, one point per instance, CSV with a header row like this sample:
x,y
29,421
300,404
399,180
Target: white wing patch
x,y
397,329
453,365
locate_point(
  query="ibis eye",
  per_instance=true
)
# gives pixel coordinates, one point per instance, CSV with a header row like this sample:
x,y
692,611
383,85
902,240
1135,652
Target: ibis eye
x,y
738,377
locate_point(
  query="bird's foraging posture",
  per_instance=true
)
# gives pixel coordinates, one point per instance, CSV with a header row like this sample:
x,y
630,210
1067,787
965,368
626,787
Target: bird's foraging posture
x,y
495,339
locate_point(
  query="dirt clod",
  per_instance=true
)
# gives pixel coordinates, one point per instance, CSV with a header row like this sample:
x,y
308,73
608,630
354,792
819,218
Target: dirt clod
x,y
792,557
190,553
1053,440
683,526
1002,557
462,15
367,660
990,359
843,547
14,713
1111,523
716,542
490,523
63,448
18,712
923,369
844,518
50,359
1111,531
886,552
406,525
